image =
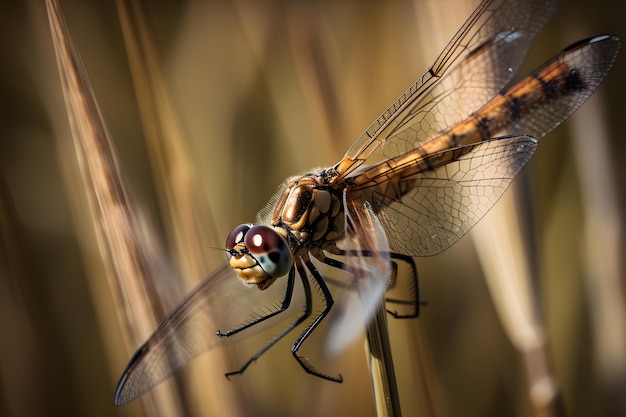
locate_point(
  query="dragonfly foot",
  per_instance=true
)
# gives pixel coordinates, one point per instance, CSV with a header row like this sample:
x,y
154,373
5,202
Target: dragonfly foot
x,y
309,369
229,374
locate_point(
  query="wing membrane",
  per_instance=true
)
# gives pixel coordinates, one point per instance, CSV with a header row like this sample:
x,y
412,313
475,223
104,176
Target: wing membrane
x,y
567,81
427,200
220,302
496,37
445,202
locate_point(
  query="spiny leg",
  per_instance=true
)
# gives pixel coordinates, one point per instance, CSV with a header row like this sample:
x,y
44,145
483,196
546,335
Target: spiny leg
x,y
328,301
413,286
284,306
272,342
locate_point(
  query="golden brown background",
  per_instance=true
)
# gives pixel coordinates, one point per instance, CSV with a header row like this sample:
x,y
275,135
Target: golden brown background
x,y
263,90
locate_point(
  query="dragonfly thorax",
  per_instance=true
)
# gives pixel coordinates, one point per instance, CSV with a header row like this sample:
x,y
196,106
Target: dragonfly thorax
x,y
310,211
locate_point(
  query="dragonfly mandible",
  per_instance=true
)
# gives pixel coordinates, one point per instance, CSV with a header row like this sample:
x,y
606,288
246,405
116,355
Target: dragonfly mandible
x,y
426,171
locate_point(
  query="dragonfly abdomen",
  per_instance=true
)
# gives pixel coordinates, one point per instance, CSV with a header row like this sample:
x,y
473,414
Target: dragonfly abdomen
x,y
502,113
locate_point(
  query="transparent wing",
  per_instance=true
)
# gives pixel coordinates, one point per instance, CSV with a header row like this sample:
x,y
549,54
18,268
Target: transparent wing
x,y
426,210
566,82
367,260
445,202
477,63
220,302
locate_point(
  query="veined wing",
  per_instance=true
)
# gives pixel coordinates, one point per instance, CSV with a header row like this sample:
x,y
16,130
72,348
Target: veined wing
x,y
445,201
220,302
428,198
477,63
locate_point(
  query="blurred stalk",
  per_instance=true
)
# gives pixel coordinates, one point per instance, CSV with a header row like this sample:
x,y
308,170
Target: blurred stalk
x,y
186,216
113,216
506,264
602,247
20,350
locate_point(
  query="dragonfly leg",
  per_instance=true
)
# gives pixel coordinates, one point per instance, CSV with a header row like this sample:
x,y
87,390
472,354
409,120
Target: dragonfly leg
x,y
284,306
414,299
413,286
328,301
294,324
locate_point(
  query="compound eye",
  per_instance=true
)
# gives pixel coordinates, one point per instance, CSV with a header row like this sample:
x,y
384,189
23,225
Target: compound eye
x,y
269,249
236,236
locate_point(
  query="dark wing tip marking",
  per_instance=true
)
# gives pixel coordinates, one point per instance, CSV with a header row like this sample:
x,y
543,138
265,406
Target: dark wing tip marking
x,y
122,396
573,82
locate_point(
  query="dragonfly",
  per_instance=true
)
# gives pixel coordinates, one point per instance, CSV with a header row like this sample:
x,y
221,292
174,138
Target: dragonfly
x,y
417,180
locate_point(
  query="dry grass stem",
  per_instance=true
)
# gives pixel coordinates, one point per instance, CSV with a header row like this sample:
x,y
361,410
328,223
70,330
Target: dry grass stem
x,y
112,212
380,362
602,244
505,262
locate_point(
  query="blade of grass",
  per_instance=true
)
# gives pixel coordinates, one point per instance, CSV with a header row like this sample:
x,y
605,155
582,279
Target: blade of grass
x,y
112,213
505,262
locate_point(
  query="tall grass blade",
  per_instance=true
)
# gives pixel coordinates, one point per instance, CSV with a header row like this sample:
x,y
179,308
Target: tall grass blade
x,y
114,218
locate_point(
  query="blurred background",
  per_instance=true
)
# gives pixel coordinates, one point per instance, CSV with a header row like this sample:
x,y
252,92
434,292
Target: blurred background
x,y
259,91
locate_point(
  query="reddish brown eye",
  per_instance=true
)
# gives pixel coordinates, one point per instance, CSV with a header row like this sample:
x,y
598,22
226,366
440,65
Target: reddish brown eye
x,y
269,249
237,235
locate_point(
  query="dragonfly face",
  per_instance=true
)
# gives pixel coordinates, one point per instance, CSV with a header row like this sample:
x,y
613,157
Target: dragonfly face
x,y
426,171
308,214
259,254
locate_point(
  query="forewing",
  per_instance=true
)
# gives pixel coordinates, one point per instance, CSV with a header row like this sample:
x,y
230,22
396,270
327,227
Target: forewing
x,y
220,302
477,63
426,212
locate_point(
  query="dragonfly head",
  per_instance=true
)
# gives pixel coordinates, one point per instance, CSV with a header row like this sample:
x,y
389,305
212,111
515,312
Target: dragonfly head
x,y
259,254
